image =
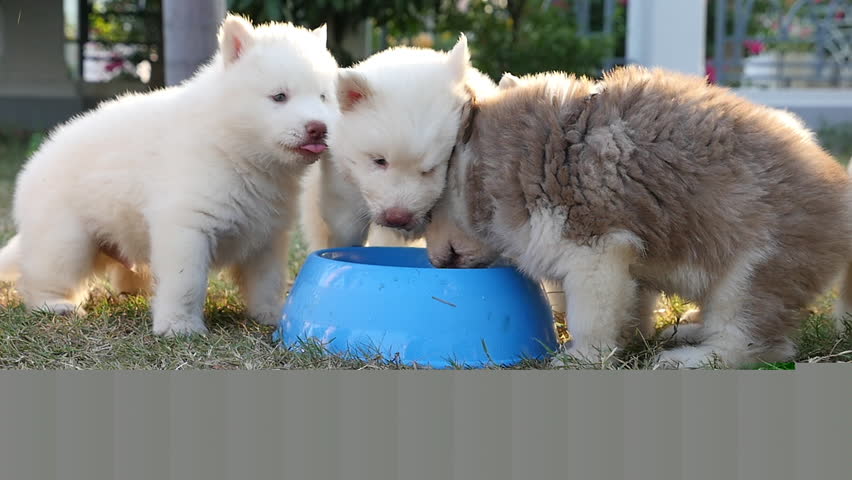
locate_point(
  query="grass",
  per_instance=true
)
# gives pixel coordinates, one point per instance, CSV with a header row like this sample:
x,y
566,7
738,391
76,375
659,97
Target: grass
x,y
116,332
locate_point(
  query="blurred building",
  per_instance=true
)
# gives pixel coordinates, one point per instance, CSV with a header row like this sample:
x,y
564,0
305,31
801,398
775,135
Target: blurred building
x,y
60,57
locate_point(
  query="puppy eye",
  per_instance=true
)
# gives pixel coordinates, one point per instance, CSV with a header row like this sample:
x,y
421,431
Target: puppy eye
x,y
322,97
279,98
426,173
380,162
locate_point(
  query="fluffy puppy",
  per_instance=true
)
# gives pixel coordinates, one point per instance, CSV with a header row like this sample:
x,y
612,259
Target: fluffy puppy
x,y
650,181
170,184
389,147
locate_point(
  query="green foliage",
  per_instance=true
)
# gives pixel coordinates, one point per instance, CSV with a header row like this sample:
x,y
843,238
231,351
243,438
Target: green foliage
x,y
522,37
837,139
341,16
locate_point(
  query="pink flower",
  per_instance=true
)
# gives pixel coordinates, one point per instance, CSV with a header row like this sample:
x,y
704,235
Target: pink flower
x,y
710,71
114,64
754,47
840,15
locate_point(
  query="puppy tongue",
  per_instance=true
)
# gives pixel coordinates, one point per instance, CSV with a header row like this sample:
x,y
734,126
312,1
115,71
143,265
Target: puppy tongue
x,y
314,147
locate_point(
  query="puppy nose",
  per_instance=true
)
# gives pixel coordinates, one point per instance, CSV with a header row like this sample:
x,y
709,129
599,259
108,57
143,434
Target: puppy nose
x,y
316,130
398,217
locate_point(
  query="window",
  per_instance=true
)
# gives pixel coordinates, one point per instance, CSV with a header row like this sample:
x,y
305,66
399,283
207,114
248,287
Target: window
x,y
114,40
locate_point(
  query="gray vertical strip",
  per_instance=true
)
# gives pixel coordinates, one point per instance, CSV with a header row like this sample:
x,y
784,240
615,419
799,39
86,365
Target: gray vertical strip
x,y
425,425
141,445
198,430
241,420
709,425
824,401
366,425
309,410
766,433
27,426
482,425
653,437
255,428
808,455
268,391
540,424
84,430
593,405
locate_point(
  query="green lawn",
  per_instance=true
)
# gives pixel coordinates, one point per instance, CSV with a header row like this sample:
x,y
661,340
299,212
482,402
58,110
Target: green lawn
x,y
116,332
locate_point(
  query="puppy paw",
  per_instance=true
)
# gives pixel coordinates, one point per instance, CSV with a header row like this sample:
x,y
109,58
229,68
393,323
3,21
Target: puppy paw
x,y
687,357
270,315
63,308
180,326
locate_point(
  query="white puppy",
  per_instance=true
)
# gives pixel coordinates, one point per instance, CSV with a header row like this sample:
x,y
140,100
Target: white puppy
x,y
401,110
179,181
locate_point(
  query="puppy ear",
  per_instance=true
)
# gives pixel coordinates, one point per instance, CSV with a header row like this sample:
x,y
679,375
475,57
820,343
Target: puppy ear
x,y
508,81
321,33
459,58
352,89
235,35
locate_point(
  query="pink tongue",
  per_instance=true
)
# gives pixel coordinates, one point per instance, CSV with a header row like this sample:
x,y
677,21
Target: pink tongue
x,y
314,147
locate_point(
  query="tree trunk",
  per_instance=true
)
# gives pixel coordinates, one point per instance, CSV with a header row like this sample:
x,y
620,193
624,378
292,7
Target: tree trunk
x,y
189,35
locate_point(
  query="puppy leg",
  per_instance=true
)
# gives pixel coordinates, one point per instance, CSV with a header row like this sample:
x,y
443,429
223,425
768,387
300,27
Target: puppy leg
x,y
746,318
602,297
262,279
333,213
555,294
126,281
313,225
643,323
57,257
688,329
180,261
843,307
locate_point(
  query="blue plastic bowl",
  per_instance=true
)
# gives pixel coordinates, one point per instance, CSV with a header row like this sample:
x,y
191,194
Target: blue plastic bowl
x,y
391,301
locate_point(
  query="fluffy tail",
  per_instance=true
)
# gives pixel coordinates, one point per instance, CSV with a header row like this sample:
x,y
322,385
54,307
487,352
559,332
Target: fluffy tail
x,y
9,261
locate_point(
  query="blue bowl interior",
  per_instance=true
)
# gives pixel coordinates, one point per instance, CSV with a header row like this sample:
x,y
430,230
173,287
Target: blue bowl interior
x,y
402,257
380,256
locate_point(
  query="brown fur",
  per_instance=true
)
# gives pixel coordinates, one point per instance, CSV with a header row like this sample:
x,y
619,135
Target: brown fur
x,y
698,174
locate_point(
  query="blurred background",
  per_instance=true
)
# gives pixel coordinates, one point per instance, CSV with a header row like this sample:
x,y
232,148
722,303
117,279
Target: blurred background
x,y
61,57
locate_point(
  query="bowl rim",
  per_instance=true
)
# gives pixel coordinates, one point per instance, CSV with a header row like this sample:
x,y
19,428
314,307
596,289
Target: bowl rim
x,y
319,256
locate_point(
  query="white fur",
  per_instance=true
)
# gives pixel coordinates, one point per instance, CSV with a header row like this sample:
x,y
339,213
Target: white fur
x,y
181,180
409,115
597,277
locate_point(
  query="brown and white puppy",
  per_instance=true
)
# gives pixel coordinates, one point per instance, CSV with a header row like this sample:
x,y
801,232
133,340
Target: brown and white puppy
x,y
650,181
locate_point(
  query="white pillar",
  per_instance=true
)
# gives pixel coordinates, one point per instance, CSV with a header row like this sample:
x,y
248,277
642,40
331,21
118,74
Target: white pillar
x,y
189,35
668,34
